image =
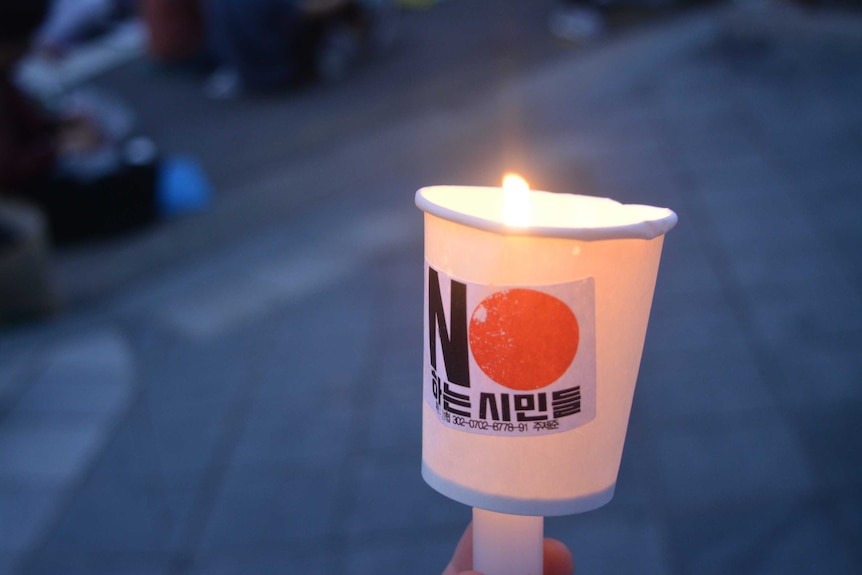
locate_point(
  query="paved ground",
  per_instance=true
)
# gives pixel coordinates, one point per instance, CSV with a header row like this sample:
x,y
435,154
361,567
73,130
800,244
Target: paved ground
x,y
239,392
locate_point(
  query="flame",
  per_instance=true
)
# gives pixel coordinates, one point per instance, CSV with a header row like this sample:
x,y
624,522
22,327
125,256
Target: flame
x,y
516,201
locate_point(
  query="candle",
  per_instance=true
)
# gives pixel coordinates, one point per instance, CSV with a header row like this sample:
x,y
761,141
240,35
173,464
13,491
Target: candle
x,y
536,309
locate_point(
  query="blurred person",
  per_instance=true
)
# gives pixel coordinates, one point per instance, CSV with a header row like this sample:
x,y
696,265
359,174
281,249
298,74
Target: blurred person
x,y
557,559
86,178
176,29
71,21
263,45
586,21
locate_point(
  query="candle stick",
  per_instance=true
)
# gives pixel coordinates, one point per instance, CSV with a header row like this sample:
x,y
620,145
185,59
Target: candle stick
x,y
505,544
525,407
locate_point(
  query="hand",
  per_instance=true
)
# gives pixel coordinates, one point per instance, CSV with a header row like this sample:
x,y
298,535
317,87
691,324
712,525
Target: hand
x,y
557,558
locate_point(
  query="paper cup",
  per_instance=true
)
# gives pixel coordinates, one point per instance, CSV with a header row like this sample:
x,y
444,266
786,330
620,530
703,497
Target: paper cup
x,y
533,339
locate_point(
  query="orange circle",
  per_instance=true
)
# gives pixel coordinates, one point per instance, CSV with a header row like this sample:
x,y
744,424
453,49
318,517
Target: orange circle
x,y
523,339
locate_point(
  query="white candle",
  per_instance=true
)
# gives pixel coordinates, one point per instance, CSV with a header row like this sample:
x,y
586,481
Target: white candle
x,y
505,544
534,331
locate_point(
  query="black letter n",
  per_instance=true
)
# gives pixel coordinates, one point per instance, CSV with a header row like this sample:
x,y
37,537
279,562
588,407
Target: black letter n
x,y
453,341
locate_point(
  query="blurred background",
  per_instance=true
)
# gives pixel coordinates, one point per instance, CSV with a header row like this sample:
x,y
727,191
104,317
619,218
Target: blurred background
x,y
211,274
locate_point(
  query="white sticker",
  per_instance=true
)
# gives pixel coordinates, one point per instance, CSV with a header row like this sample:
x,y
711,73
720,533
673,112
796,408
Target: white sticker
x,y
510,360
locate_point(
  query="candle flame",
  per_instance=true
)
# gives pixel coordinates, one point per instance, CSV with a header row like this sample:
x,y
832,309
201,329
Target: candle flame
x,y
516,201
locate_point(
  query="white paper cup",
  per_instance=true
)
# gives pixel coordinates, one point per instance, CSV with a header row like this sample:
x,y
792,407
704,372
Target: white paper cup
x,y
594,244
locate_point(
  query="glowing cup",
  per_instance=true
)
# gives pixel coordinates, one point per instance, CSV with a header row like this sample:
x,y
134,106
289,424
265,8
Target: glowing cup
x,y
502,286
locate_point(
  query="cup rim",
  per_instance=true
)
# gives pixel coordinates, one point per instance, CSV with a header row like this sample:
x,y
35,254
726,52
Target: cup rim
x,y
658,222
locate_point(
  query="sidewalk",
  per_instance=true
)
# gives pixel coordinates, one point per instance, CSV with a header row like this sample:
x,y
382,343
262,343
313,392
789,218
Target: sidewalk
x,y
258,409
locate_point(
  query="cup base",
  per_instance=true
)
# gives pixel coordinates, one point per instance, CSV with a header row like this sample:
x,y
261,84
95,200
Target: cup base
x,y
514,505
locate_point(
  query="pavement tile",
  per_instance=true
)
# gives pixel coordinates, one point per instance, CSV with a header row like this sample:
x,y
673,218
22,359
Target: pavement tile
x,y
639,180
391,496
396,411
108,515
825,314
54,453
685,281
838,226
627,126
423,555
319,373
633,490
182,499
97,564
633,158
755,172
715,146
773,535
8,564
217,310
181,375
293,433
831,437
270,507
820,185
131,452
833,144
15,371
311,360
706,463
685,273
766,200
265,563
813,124
592,148
89,376
818,371
187,439
403,302
847,507
690,91
652,185
305,378
691,324
25,512
693,116
613,540
92,401
768,251
710,381
396,425
102,355
783,225
814,272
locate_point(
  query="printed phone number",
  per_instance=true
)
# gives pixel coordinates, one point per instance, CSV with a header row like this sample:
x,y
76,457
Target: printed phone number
x,y
500,426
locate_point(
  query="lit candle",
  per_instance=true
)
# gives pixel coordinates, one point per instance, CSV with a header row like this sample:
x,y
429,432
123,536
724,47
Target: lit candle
x,y
504,543
516,201
536,308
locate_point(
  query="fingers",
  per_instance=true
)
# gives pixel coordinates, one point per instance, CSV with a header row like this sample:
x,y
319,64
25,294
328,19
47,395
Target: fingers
x,y
462,559
558,559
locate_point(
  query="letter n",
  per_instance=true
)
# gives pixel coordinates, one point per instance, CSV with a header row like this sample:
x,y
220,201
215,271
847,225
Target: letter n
x,y
453,341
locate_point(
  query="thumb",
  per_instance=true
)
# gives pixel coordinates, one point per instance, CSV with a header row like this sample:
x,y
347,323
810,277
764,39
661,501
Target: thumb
x,y
557,558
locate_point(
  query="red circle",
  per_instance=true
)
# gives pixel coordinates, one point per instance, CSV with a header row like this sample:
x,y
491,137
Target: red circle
x,y
523,339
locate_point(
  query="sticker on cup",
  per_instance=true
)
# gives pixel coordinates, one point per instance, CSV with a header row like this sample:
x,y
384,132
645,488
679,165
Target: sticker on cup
x,y
510,360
